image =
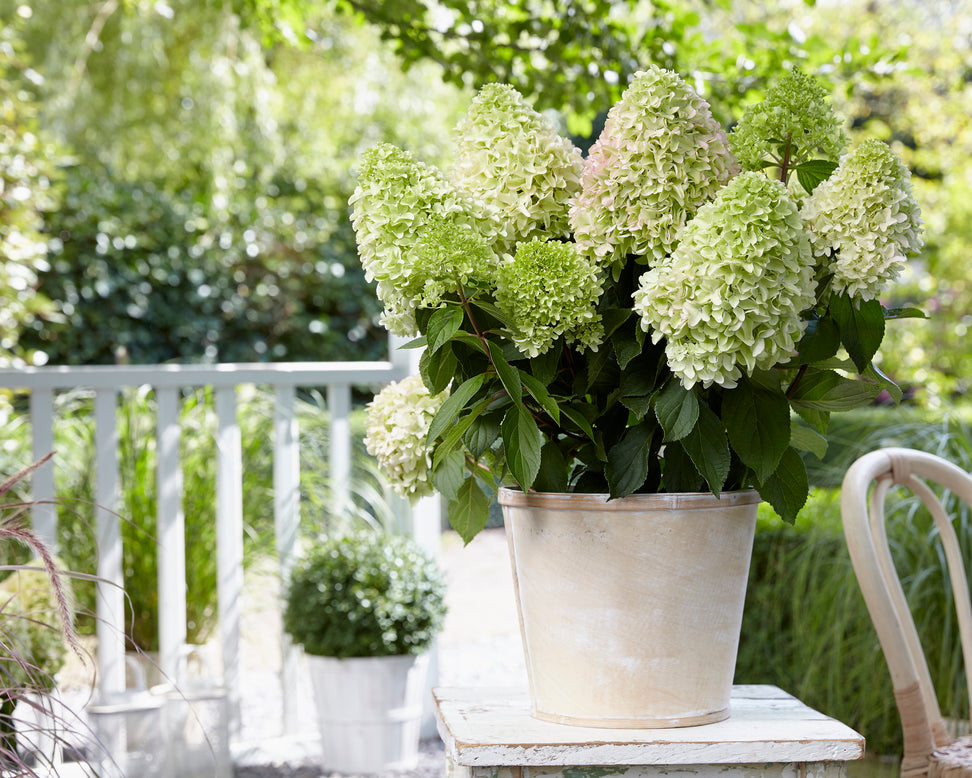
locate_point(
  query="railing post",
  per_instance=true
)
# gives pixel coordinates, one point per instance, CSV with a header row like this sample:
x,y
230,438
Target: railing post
x,y
110,588
229,545
43,513
171,539
286,509
339,450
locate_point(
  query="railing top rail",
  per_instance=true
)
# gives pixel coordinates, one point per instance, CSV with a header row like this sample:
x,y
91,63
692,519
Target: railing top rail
x,y
218,375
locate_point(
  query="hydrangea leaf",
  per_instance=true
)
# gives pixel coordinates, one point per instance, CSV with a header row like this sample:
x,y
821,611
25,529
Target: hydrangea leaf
x,y
445,323
469,512
805,438
814,172
758,425
552,476
677,410
825,390
786,490
708,447
447,478
627,460
522,440
861,325
453,405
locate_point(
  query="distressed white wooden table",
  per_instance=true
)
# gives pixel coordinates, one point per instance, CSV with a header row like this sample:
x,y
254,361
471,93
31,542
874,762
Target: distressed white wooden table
x,y
489,733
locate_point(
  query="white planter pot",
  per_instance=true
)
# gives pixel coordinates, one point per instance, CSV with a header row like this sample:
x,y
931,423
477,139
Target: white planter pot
x,y
369,711
630,609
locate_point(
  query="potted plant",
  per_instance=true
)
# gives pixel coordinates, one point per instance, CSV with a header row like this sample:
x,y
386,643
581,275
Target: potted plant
x,y
662,326
365,607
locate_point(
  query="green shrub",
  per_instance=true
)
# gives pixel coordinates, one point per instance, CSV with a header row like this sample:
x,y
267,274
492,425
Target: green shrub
x,y
365,594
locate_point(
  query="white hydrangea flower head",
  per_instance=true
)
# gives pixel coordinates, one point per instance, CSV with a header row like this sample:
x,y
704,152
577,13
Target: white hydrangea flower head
x,y
864,220
397,427
402,208
550,289
512,158
795,107
731,294
660,156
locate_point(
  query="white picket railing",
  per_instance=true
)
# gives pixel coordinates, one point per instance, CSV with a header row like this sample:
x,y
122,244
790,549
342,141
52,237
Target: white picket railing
x,y
167,381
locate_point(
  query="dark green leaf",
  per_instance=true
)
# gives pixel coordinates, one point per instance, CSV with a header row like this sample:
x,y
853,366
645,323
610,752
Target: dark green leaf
x,y
639,406
456,431
808,439
418,342
613,318
819,420
445,323
758,425
709,448
676,408
680,474
552,476
595,365
874,373
493,311
469,512
453,405
820,340
579,419
541,395
482,433
438,369
448,476
904,313
627,460
626,349
508,375
814,172
522,441
544,367
825,390
861,324
787,488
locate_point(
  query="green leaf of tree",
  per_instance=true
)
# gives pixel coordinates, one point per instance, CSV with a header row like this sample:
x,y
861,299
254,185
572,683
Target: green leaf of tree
x,y
469,512
708,447
509,376
861,327
438,369
787,488
541,395
453,405
482,433
627,460
544,367
758,425
904,313
522,441
825,390
552,476
821,340
456,431
445,323
639,406
680,474
808,439
448,476
676,408
814,172
874,373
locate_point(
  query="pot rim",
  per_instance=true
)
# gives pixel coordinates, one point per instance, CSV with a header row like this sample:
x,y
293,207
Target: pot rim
x,y
514,497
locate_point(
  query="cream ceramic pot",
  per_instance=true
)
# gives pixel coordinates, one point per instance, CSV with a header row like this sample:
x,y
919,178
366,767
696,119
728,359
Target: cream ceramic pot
x,y
630,609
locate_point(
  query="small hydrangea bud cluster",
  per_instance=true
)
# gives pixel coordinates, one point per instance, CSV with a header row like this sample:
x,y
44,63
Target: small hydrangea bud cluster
x,y
398,424
731,293
864,221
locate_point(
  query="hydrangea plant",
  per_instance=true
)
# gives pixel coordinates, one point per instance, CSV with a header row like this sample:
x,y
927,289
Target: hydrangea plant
x,y
709,290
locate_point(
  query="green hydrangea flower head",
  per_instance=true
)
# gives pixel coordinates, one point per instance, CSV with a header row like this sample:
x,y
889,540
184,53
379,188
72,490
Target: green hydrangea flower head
x,y
731,294
512,158
406,219
864,220
398,424
660,156
794,108
550,289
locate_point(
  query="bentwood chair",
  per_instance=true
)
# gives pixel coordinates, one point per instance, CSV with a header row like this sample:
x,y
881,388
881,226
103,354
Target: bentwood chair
x,y
928,749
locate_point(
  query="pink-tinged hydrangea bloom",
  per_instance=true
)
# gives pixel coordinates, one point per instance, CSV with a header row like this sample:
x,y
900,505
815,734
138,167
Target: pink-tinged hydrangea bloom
x,y
512,159
549,289
398,423
411,223
661,155
864,221
731,294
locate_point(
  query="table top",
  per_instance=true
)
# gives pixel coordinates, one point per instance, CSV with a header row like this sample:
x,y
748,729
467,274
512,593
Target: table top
x,y
494,727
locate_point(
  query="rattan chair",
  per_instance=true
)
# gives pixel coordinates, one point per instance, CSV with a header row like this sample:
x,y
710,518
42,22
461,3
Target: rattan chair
x,y
928,749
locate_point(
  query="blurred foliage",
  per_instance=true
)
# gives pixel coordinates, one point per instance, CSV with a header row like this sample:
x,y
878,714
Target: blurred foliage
x,y
26,174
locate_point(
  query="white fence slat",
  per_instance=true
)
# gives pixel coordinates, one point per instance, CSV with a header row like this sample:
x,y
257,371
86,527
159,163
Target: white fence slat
x,y
43,514
229,545
110,588
286,509
339,449
171,533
